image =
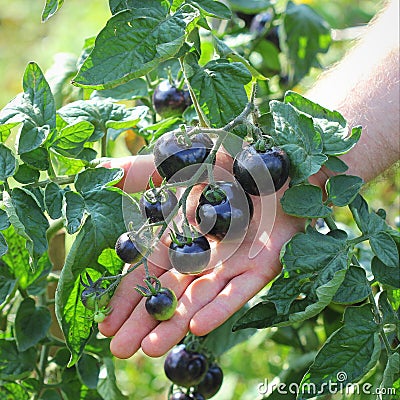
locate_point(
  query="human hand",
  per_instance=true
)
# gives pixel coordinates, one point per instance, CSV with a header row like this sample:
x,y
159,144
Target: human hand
x,y
206,300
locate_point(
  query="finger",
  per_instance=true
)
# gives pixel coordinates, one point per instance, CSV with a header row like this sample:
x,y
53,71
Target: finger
x,y
125,299
137,171
128,338
234,296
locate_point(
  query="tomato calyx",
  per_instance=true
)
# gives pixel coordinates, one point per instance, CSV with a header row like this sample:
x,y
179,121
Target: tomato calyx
x,y
161,302
95,298
153,286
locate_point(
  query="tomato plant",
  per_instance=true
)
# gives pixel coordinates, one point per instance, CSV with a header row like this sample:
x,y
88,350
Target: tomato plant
x,y
51,181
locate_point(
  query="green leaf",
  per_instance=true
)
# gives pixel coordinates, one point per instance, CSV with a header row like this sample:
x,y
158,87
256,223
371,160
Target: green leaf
x,y
133,43
354,288
384,247
38,91
331,124
107,387
71,139
360,212
212,8
35,108
335,164
224,51
4,222
370,223
25,174
260,316
26,216
74,211
342,189
92,180
13,363
31,324
134,89
385,274
8,163
253,7
305,201
349,354
7,284
109,259
307,34
219,88
50,8
53,198
88,369
13,391
37,158
103,225
388,315
314,267
17,260
295,133
390,375
101,113
221,339
120,5
3,245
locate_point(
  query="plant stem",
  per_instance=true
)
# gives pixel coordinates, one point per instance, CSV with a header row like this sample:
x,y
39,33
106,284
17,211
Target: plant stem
x,y
330,222
357,240
377,314
104,144
199,111
54,228
59,180
52,174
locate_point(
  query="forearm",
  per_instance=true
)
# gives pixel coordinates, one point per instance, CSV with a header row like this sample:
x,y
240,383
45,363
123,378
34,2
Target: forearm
x,y
364,87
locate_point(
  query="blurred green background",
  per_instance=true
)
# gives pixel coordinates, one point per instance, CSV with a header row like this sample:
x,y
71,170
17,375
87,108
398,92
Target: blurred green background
x,y
24,38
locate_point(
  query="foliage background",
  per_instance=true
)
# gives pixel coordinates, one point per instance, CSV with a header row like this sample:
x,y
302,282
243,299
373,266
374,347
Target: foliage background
x,y
23,38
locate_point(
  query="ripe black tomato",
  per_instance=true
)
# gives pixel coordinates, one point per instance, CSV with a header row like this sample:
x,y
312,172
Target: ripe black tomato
x,y
190,255
211,382
224,211
178,161
185,368
261,172
127,249
169,101
156,204
161,305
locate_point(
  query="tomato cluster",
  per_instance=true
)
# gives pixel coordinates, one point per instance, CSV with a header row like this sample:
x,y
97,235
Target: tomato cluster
x,y
185,158
193,371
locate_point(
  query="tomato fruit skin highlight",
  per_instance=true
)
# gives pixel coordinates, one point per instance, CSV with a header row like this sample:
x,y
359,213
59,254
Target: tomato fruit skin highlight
x,y
261,173
177,161
190,258
162,305
127,249
159,206
227,217
185,368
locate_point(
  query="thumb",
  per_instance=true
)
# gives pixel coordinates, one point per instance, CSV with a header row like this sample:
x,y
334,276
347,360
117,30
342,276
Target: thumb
x,y
137,171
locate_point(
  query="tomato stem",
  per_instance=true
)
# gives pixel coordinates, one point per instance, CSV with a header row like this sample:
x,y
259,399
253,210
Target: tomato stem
x,y
199,111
